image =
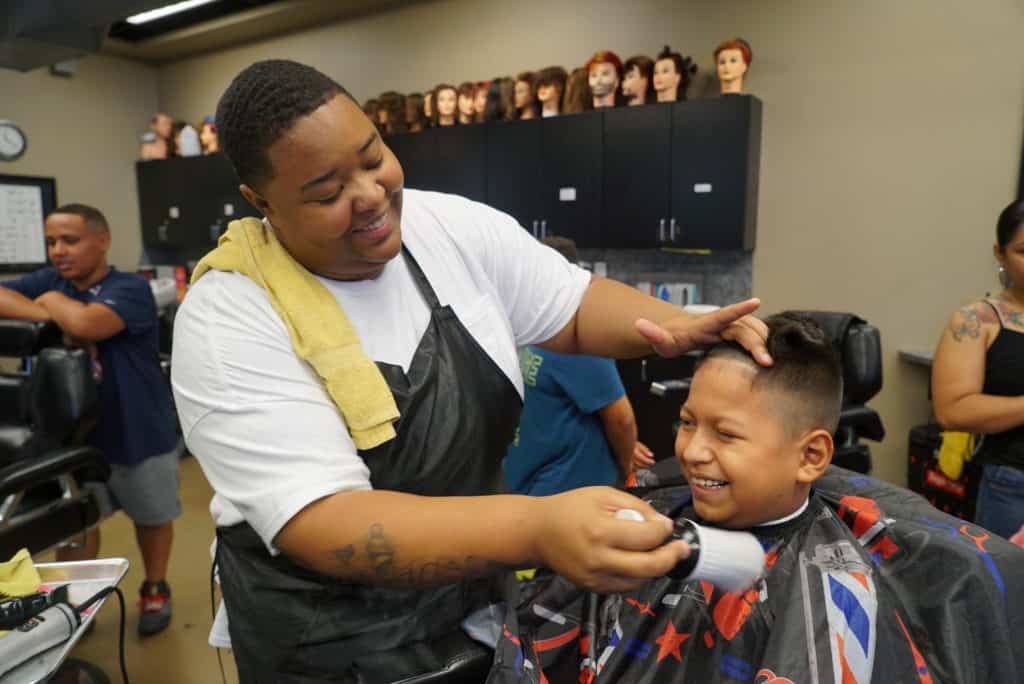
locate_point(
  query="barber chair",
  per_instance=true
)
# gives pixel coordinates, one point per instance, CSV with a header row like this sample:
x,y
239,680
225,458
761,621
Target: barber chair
x,y
860,354
47,409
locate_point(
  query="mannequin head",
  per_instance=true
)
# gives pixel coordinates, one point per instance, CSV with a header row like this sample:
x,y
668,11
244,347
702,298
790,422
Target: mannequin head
x,y
525,95
507,87
550,88
637,80
383,114
174,144
604,71
732,59
392,105
428,106
578,97
672,75
162,125
467,99
497,106
370,109
415,120
480,100
445,105
157,144
208,136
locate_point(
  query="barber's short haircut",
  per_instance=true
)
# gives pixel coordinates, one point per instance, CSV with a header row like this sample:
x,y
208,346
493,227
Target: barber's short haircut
x,y
262,103
93,217
806,375
564,246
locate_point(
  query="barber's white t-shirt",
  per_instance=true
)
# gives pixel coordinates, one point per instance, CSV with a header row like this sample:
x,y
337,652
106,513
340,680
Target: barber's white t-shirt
x,y
257,417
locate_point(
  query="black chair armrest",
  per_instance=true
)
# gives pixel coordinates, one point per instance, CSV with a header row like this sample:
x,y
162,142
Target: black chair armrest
x,y
863,420
20,476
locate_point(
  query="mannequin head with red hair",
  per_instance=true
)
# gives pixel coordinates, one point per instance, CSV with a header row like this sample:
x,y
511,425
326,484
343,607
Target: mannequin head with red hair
x,y
732,58
604,70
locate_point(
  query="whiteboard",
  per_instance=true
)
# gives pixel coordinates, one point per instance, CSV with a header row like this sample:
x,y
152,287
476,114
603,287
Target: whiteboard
x,y
24,203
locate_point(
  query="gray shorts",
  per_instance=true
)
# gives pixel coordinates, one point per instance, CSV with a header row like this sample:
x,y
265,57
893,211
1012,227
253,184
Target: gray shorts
x,y
147,491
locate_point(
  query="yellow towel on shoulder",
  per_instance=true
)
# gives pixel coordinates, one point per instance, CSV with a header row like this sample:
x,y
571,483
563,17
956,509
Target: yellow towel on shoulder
x,y
320,331
956,449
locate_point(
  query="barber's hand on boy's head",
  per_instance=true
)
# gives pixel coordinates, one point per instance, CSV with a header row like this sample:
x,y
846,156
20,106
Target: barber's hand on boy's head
x,y
694,331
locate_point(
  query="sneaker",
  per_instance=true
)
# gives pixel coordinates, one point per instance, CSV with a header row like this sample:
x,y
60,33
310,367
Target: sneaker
x,y
154,607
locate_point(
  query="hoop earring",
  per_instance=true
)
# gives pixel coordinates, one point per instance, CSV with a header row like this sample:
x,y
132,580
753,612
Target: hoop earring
x,y
1004,278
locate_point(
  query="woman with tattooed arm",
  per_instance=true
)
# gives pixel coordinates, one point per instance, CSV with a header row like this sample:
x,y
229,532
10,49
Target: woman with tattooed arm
x,y
978,380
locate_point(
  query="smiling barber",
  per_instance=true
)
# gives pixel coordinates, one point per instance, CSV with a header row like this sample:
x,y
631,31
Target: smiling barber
x,y
355,500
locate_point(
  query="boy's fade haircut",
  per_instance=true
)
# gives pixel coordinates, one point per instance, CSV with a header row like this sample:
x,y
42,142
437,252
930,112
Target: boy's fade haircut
x,y
806,370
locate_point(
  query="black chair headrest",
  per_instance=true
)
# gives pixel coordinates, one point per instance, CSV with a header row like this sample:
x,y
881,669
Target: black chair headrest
x,y
26,338
859,346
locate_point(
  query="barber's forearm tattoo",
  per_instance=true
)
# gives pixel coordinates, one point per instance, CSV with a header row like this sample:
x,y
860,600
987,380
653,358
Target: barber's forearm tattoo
x,y
968,327
379,550
344,555
380,565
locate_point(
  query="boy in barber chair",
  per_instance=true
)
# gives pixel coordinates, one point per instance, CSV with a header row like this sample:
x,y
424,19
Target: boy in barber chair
x,y
114,315
864,582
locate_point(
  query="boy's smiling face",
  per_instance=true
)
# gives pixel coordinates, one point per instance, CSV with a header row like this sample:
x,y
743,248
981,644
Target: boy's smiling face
x,y
745,461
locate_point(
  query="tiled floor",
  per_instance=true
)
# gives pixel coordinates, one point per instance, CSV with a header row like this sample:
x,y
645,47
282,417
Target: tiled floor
x,y
180,654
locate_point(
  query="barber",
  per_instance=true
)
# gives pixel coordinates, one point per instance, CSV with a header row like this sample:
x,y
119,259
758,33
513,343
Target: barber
x,y
328,551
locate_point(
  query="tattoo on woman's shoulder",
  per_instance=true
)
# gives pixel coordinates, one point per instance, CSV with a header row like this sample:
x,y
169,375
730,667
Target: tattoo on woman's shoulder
x,y
1011,316
966,325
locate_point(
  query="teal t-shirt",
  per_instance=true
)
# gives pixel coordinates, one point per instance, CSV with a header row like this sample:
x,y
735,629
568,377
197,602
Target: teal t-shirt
x,y
561,443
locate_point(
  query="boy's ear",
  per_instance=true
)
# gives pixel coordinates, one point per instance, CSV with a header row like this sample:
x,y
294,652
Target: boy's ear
x,y
815,455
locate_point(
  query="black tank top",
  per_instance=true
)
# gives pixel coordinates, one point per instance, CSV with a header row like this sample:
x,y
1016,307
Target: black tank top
x,y
1004,377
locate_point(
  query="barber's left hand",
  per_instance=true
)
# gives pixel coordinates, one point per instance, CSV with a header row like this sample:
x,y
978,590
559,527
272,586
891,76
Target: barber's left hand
x,y
694,331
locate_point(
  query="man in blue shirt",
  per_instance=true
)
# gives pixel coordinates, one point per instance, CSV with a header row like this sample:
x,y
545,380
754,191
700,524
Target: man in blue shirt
x,y
577,428
114,315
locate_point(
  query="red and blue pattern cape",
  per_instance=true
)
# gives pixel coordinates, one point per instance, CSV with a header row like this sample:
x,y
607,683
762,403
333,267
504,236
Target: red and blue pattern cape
x,y
869,584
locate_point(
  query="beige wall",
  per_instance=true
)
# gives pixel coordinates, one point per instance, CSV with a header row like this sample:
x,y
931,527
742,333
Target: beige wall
x,y
892,133
84,131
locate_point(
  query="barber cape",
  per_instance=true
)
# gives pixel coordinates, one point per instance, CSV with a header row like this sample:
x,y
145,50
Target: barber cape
x,y
869,584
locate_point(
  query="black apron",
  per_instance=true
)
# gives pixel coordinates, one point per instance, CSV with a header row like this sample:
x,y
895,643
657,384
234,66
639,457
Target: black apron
x,y
290,624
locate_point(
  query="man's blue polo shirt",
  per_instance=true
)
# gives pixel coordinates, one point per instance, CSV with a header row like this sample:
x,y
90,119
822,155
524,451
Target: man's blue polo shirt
x,y
136,418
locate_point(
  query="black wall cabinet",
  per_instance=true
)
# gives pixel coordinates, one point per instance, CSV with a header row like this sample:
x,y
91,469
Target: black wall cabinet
x,y
637,168
716,153
570,179
681,174
185,203
514,164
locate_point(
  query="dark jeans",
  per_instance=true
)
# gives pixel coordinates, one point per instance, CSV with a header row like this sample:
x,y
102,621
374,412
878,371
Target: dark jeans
x,y
1000,506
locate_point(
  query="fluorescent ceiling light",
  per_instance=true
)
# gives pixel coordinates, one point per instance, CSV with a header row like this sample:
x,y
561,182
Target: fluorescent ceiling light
x,y
168,10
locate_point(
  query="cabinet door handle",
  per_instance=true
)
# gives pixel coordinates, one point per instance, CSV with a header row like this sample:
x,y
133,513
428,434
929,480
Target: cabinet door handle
x,y
543,229
672,230
535,228
661,230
